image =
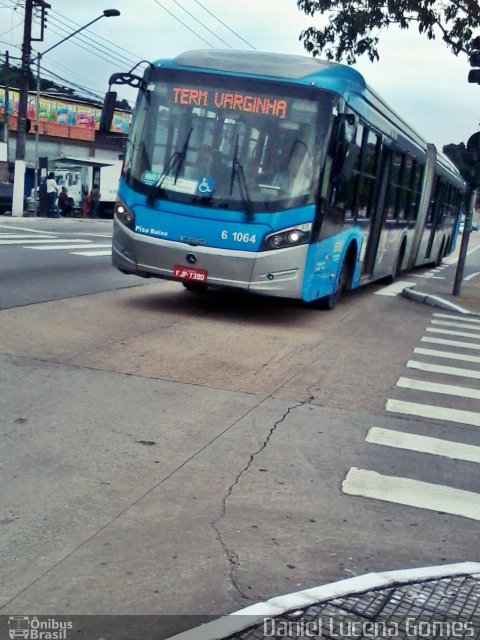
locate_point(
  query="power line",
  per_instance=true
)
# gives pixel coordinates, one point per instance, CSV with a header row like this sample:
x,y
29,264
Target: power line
x,y
224,24
200,22
183,24
103,38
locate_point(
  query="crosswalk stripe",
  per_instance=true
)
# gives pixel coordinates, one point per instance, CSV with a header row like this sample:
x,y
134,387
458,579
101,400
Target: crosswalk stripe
x,y
450,332
394,289
446,354
424,444
431,411
435,387
29,230
18,236
459,325
70,246
439,368
452,343
92,254
413,493
43,241
450,316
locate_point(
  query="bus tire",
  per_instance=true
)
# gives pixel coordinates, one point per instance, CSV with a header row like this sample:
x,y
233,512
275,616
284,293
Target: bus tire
x,y
343,282
441,254
397,267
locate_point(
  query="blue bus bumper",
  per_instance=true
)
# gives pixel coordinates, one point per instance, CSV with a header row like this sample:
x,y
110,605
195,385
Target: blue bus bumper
x,y
276,273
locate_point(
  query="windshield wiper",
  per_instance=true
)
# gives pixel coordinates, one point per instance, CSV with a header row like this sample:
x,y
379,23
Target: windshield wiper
x,y
175,164
238,172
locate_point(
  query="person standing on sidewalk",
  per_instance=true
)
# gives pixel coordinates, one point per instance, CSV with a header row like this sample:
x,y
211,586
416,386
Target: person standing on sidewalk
x,y
94,201
52,193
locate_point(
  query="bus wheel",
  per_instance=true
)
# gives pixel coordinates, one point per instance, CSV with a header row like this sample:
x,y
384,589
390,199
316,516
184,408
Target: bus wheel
x,y
397,268
441,255
195,287
330,302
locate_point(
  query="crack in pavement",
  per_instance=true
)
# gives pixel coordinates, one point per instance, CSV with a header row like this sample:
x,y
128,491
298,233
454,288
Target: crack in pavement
x,y
230,554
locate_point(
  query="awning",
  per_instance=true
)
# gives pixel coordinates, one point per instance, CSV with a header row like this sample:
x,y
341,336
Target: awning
x,y
80,162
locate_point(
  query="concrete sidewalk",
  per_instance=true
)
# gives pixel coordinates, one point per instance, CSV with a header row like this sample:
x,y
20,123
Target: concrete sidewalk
x,y
435,286
432,602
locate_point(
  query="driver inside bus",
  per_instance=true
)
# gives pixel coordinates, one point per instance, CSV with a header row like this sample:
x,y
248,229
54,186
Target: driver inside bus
x,y
211,163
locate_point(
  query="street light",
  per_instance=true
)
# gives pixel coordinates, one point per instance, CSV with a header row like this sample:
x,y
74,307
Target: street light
x,y
107,13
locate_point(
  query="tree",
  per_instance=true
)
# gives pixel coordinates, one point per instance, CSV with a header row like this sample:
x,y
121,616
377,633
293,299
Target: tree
x,y
353,27
464,160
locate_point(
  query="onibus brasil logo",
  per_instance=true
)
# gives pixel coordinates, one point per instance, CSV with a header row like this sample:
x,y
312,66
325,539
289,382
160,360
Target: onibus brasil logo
x,y
31,628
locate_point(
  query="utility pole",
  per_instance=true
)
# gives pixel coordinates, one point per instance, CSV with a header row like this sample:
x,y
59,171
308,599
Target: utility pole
x,y
7,96
19,179
23,100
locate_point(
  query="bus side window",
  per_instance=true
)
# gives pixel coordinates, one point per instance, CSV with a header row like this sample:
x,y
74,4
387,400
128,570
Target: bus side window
x,y
345,179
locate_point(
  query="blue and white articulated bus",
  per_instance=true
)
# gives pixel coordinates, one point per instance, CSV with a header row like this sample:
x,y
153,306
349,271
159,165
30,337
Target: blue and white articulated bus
x,y
281,175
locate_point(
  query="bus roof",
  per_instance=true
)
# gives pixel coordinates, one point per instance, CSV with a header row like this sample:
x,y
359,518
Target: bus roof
x,y
297,69
273,66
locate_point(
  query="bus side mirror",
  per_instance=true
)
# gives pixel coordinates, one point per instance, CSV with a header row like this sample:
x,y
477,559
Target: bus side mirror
x,y
108,110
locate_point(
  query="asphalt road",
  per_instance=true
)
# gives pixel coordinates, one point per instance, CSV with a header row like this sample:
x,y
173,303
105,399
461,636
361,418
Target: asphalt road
x,y
167,453
43,260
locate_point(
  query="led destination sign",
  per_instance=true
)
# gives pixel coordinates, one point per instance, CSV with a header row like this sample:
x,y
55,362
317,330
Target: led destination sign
x,y
233,101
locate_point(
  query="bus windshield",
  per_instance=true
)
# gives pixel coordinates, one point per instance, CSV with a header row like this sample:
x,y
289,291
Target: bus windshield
x,y
227,144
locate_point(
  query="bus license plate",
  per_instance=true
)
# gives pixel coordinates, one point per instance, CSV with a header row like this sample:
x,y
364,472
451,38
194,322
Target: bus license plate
x,y
189,273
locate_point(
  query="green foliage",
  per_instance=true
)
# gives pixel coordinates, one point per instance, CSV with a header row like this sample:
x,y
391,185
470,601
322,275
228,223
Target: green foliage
x,y
465,161
353,27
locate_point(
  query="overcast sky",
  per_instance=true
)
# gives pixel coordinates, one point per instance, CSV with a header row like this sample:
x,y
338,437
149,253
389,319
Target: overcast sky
x,y
421,80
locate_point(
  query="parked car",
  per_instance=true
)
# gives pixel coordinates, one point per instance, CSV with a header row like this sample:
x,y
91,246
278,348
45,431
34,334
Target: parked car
x,y
6,198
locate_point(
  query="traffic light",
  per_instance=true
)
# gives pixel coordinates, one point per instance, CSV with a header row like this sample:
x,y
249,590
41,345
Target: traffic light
x,y
474,74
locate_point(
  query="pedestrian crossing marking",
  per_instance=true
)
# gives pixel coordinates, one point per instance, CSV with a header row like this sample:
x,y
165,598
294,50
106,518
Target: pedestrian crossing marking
x,y
435,387
24,236
433,412
92,254
451,343
459,325
70,246
446,354
450,316
450,332
424,444
439,368
412,493
394,289
43,241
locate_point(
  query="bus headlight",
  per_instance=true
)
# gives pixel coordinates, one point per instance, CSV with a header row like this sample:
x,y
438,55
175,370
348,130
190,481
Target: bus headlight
x,y
288,237
124,215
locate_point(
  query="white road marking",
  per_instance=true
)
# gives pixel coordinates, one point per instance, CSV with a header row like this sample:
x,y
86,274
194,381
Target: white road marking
x,y
43,241
431,411
66,247
471,276
413,493
446,354
53,233
424,444
452,343
459,325
394,289
439,368
17,236
435,387
92,254
449,332
456,317
438,278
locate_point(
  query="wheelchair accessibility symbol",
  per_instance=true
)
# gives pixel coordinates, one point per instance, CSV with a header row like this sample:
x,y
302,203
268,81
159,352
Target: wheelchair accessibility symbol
x,y
206,186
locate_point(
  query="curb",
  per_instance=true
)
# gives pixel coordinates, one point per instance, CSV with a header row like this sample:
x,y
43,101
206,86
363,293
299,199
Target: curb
x,y
279,605
435,301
